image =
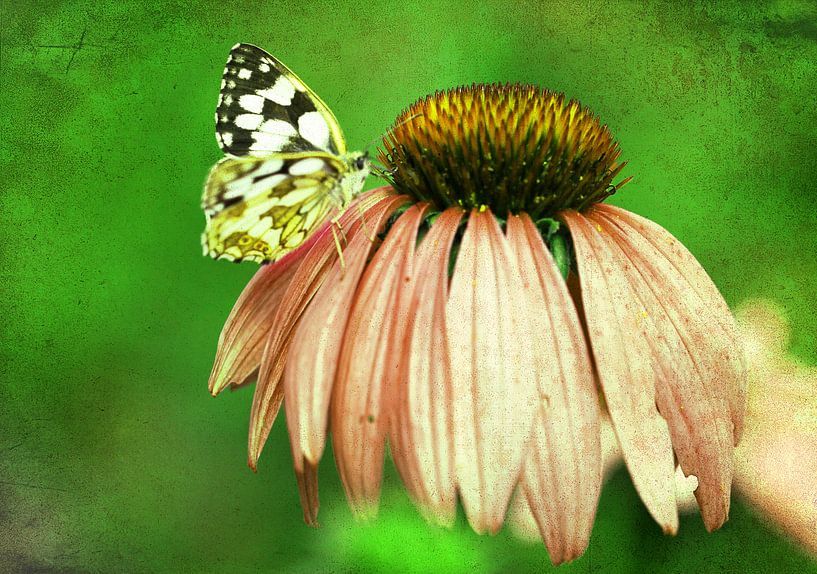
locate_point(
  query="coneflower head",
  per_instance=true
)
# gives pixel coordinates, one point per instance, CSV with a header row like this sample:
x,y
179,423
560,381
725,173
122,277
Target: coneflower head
x,y
511,148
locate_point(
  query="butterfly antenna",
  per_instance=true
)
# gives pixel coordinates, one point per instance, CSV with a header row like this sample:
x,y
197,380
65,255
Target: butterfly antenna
x,y
408,119
381,136
370,234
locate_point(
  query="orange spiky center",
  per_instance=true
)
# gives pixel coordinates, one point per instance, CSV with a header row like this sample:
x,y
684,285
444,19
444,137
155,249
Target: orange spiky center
x,y
512,148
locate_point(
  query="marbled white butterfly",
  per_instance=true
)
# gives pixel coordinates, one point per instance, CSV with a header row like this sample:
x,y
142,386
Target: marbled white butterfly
x,y
287,163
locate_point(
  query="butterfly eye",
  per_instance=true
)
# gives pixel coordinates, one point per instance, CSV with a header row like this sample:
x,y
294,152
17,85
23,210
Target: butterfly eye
x,y
360,162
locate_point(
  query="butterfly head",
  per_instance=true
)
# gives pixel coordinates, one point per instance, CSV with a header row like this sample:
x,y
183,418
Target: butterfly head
x,y
359,167
360,161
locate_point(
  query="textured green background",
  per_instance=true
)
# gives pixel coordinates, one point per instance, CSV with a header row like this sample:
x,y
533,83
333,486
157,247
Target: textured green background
x,y
114,458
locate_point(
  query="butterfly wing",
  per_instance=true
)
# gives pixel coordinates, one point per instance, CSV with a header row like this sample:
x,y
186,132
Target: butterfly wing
x,y
264,108
260,209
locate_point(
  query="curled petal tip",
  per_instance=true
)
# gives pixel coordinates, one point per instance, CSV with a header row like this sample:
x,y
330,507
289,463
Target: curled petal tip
x,y
670,529
443,517
365,510
307,478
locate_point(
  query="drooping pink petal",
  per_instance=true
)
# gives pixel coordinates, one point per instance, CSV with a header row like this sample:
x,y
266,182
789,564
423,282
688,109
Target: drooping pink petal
x,y
495,395
305,282
563,466
366,373
716,309
422,430
618,338
312,361
693,360
247,328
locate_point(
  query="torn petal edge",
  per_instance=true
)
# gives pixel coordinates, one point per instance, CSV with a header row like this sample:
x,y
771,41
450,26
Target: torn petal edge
x,y
624,367
687,351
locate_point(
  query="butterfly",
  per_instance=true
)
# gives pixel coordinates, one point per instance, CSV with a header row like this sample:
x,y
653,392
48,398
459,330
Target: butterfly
x,y
287,165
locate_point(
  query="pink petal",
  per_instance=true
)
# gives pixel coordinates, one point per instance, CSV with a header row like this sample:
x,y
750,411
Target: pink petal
x,y
422,431
717,311
312,362
618,337
305,282
563,466
495,388
247,328
693,362
366,373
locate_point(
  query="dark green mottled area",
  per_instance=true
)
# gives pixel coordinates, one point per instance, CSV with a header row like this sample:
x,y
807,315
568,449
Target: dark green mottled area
x,y
113,458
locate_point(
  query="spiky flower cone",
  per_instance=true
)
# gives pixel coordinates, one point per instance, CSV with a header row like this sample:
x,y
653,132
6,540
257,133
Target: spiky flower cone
x,y
509,147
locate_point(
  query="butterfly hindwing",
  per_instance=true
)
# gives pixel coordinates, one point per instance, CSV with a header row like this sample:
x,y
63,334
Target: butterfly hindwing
x,y
259,209
265,108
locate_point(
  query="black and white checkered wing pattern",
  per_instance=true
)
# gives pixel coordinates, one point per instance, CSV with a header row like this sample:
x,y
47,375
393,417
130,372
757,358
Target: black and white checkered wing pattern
x,y
264,108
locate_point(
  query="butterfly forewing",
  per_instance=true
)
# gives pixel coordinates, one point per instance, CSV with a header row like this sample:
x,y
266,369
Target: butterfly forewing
x,y
259,209
264,108
289,165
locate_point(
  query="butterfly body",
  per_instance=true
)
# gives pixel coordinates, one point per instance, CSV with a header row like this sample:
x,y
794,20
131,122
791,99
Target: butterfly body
x,y
287,166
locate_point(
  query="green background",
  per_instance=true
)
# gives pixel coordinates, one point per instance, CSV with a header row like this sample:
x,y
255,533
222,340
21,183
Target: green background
x,y
114,458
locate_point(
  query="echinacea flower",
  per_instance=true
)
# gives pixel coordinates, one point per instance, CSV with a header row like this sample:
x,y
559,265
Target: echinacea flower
x,y
489,311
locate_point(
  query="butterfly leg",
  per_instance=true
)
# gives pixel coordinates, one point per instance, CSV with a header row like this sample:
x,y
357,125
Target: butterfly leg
x,y
335,223
370,233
